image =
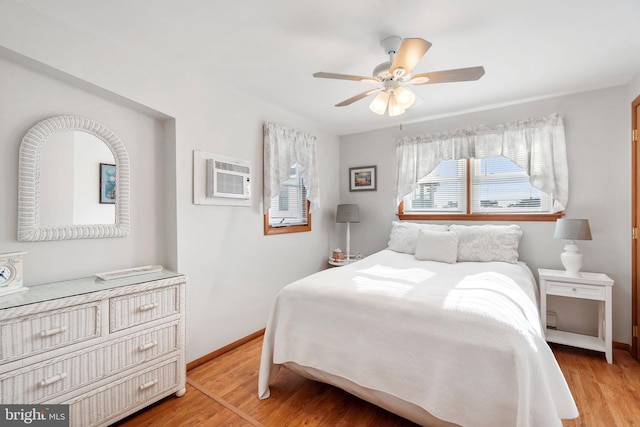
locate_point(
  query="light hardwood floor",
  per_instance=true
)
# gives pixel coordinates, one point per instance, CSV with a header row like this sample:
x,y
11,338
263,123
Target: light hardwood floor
x,y
223,392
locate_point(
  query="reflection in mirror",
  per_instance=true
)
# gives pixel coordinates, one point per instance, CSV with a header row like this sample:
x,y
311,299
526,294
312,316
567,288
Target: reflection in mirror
x,y
70,180
59,181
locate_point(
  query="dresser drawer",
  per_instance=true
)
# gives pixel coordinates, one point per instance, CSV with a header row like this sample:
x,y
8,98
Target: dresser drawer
x,y
135,309
42,381
136,349
25,336
576,290
51,378
94,408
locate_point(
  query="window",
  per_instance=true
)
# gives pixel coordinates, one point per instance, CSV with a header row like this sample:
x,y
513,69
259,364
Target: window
x,y
289,211
291,187
499,186
443,190
492,188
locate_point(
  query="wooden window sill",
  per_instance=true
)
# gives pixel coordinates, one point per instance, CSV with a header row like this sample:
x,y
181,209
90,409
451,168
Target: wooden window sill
x,y
269,230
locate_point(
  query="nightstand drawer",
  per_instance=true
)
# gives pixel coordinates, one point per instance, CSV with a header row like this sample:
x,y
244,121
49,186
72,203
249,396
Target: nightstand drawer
x,y
576,290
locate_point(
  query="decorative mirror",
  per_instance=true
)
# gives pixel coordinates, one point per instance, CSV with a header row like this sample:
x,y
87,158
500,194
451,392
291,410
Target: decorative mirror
x,y
73,181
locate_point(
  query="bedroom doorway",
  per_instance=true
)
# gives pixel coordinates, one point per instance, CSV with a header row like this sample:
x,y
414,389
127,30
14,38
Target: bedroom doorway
x,y
635,223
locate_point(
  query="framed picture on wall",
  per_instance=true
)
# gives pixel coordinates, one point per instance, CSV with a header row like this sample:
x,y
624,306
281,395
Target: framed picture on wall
x,y
107,183
362,178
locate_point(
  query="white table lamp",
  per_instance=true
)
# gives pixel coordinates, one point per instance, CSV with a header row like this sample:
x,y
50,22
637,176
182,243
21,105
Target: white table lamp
x,y
572,230
348,213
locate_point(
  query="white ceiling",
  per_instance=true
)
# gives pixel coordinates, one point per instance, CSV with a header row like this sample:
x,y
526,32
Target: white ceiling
x,y
529,48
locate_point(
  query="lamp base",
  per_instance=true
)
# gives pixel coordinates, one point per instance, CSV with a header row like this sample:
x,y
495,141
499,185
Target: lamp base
x,y
571,259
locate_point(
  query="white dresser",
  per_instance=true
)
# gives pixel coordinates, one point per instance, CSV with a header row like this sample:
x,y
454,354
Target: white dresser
x,y
105,348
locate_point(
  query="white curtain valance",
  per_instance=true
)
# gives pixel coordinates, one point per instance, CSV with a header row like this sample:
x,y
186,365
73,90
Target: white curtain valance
x,y
283,148
536,145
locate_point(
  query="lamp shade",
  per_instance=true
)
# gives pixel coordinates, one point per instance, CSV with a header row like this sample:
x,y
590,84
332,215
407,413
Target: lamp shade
x,y
404,97
395,109
572,229
379,103
348,213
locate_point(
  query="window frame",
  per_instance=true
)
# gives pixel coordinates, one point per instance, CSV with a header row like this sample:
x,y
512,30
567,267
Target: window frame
x,y
468,216
295,227
298,228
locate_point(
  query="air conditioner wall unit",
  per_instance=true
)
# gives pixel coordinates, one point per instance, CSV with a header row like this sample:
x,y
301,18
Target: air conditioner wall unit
x,y
221,180
227,178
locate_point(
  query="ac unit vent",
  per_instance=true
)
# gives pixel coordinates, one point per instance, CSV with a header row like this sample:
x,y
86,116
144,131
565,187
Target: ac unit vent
x,y
232,167
228,179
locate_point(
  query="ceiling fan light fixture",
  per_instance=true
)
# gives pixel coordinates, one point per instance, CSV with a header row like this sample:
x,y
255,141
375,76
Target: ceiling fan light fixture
x,y
404,97
419,80
394,108
379,103
394,77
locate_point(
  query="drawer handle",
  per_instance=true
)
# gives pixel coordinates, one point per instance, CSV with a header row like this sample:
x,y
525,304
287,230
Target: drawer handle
x,y
147,346
147,385
53,331
148,307
54,379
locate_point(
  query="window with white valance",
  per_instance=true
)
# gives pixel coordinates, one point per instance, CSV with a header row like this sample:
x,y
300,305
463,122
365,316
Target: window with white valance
x,y
537,146
290,178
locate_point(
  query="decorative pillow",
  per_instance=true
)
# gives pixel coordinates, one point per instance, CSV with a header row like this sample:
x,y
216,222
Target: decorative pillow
x,y
439,246
487,242
404,235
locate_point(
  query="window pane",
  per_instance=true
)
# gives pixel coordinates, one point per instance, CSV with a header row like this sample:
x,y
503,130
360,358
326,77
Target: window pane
x,y
290,206
443,190
499,185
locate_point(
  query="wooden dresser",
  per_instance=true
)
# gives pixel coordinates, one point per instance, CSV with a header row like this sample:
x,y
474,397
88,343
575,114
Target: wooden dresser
x,y
105,348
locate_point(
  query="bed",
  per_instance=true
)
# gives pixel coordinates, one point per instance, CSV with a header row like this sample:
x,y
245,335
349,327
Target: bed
x,y
424,333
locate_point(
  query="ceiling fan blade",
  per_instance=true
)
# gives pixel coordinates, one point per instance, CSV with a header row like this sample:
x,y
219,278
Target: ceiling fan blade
x,y
446,76
344,77
408,56
358,97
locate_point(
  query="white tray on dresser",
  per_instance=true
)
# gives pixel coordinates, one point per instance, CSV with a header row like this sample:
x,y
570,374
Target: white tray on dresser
x,y
106,348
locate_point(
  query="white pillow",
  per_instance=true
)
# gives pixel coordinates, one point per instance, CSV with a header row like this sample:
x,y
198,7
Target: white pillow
x,y
486,243
439,246
404,235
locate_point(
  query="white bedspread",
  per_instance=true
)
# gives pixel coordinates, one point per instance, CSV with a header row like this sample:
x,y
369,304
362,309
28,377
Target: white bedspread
x,y
462,341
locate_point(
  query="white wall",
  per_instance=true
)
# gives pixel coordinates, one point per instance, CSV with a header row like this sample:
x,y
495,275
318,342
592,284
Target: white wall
x,y
29,96
234,270
633,89
597,134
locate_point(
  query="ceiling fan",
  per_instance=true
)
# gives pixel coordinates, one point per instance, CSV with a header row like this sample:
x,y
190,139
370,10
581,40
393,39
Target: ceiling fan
x,y
393,76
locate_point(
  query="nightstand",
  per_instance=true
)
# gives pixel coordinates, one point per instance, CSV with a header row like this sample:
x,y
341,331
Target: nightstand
x,y
353,259
338,263
591,286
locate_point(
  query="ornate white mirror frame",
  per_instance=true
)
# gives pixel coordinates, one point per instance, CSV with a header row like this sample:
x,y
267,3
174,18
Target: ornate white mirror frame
x,y
29,228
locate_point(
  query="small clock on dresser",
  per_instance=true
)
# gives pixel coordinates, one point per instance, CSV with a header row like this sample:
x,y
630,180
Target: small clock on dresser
x,y
11,273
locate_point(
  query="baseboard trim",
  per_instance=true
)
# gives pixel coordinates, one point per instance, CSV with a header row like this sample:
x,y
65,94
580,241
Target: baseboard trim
x,y
227,348
207,357
621,346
